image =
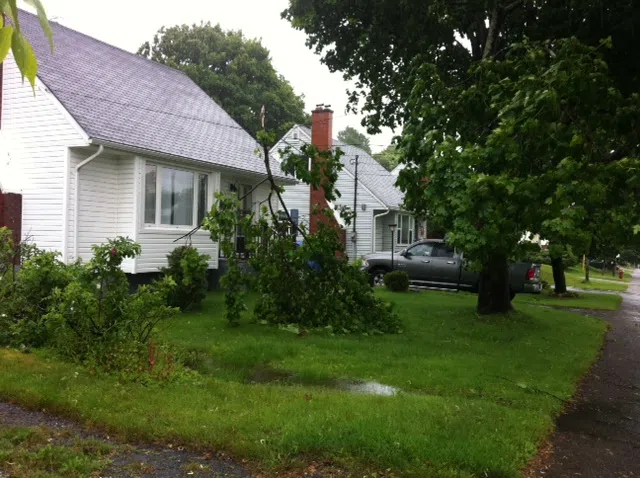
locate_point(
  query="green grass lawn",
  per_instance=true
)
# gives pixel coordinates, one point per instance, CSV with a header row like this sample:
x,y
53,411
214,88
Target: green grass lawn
x,y
583,301
478,394
598,274
33,453
575,278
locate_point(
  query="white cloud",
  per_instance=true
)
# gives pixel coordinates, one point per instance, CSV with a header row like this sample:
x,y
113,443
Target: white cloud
x,y
128,23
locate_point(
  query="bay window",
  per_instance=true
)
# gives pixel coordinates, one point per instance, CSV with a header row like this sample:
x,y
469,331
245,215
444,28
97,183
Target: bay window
x,y
174,197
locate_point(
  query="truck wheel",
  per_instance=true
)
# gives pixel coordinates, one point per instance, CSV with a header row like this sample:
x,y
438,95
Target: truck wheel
x,y
377,277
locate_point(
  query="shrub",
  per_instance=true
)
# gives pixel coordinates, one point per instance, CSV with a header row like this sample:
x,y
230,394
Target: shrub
x,y
397,281
7,251
312,287
96,313
142,363
188,269
31,296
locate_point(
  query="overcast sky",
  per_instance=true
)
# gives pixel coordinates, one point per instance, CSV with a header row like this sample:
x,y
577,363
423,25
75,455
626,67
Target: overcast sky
x,y
128,23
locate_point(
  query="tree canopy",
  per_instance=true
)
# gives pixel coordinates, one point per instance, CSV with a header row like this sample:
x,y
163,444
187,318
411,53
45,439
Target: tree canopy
x,y
512,119
235,71
389,157
375,43
352,136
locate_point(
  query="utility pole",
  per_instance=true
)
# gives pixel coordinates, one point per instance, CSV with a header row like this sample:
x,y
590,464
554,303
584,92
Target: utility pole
x,y
354,236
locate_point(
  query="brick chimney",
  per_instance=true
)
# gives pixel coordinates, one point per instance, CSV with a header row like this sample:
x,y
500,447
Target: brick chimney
x,y
321,138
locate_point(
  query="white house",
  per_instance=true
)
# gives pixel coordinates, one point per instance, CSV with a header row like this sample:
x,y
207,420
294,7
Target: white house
x,y
112,144
378,201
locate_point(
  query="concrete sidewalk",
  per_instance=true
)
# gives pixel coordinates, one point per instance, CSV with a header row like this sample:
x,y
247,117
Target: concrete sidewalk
x,y
599,436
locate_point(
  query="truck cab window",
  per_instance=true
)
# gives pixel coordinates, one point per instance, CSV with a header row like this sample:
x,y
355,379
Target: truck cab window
x,y
424,249
442,250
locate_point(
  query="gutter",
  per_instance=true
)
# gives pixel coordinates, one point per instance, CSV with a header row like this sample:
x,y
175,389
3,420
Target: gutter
x,y
375,222
76,199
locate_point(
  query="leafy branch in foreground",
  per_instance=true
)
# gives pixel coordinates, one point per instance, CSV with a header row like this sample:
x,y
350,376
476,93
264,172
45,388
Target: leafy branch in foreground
x,y
308,284
12,39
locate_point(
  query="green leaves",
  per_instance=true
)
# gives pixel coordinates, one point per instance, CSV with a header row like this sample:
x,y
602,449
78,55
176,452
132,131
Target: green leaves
x,y
10,9
12,38
6,35
25,58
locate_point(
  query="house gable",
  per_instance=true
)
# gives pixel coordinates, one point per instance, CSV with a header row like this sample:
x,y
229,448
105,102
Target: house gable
x,y
36,133
298,196
128,102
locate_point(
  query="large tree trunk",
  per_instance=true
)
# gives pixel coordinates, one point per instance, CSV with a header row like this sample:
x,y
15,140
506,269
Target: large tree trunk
x,y
558,275
494,30
494,295
586,269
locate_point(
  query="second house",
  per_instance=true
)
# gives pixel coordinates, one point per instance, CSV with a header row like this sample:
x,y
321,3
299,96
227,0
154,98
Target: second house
x,y
363,184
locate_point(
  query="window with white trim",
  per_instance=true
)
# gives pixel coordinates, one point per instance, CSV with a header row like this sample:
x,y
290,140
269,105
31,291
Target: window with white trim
x,y
405,229
174,197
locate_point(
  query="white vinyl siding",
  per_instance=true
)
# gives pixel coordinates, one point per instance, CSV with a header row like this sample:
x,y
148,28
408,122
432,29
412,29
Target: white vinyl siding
x,y
38,133
295,196
383,234
106,202
156,245
157,241
364,219
298,197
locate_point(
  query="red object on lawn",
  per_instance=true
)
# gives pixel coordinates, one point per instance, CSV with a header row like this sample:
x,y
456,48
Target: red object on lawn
x,y
621,274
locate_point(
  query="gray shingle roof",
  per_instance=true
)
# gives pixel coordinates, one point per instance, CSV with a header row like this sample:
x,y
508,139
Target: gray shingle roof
x,y
370,173
119,97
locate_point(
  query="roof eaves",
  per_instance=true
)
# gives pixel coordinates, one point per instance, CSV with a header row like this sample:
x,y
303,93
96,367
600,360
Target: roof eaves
x,y
159,154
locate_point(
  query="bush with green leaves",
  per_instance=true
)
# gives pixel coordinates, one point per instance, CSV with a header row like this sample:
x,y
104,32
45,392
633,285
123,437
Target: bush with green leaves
x,y
313,287
308,287
7,261
30,297
397,281
188,269
25,291
96,312
222,222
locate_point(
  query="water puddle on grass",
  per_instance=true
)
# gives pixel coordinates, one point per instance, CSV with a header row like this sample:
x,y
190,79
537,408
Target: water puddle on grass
x,y
265,375
366,388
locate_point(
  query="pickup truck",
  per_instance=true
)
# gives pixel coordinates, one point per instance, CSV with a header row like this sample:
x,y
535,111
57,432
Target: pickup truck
x,y
433,264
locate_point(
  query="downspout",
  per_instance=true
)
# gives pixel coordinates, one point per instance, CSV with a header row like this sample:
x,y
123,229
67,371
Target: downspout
x,y
76,199
375,224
